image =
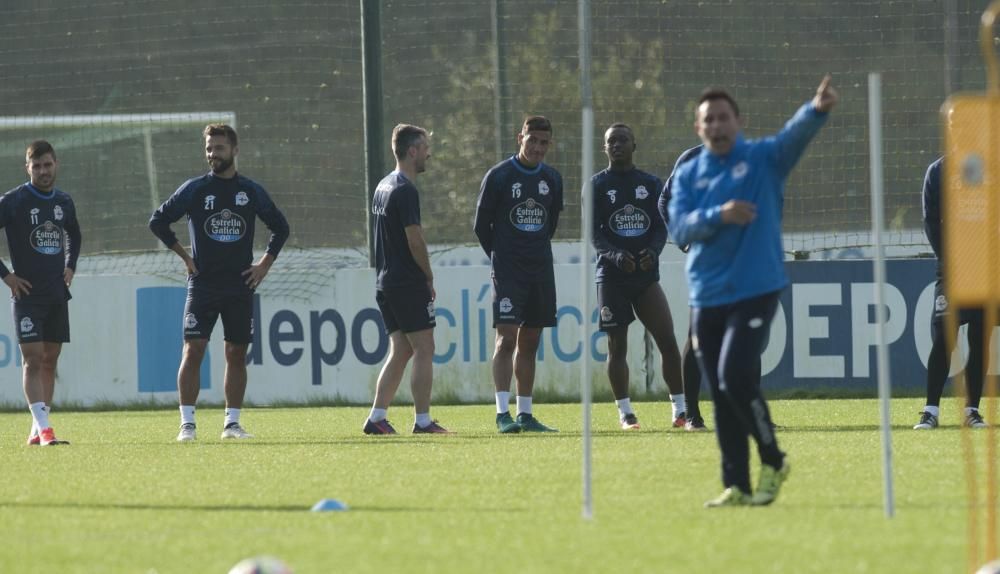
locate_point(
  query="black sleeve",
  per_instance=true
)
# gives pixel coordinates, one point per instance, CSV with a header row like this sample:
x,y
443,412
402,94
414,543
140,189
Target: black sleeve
x,y
485,214
272,217
5,201
658,225
663,204
602,246
73,236
170,211
932,207
557,205
407,200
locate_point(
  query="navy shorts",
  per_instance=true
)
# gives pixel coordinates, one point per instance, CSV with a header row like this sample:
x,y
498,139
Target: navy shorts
x,y
524,303
203,308
41,322
617,303
407,309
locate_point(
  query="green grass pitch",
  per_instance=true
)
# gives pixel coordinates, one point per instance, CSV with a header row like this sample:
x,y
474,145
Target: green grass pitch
x,y
124,497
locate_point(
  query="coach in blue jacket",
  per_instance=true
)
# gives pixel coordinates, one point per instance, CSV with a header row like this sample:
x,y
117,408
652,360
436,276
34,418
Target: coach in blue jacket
x,y
727,205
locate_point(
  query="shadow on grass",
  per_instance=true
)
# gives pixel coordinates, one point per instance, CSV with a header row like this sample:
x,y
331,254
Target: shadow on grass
x,y
244,508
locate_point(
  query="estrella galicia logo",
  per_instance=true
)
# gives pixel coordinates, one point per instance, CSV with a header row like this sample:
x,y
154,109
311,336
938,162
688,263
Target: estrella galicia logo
x,y
629,221
225,226
528,215
47,239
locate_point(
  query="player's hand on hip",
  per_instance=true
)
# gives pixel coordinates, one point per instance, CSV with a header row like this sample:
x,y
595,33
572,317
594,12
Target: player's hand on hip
x,y
645,260
826,97
738,212
68,276
18,286
255,275
192,269
627,263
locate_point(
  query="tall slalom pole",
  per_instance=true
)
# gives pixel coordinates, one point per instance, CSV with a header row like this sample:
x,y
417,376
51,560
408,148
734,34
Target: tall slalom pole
x,y
586,233
878,261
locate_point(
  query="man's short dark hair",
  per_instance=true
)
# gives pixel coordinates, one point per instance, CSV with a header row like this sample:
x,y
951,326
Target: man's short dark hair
x,y
222,130
37,149
536,124
621,125
712,94
405,136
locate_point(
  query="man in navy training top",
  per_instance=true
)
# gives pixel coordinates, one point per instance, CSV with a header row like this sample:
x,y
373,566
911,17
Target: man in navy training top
x,y
939,360
516,216
221,207
727,205
629,234
43,238
404,284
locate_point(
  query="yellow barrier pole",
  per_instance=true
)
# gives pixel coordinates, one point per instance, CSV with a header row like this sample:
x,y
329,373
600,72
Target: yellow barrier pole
x,y
988,48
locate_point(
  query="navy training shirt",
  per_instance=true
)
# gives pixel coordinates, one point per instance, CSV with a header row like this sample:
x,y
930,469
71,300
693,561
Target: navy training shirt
x,y
221,220
396,206
43,237
516,216
626,221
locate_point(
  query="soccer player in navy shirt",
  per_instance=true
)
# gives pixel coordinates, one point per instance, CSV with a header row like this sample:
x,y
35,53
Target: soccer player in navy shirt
x,y
629,234
727,205
939,360
43,238
221,207
516,216
404,284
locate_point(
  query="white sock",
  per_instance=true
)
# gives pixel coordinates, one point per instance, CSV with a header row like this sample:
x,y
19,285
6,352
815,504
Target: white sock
x,y
933,410
40,415
377,415
503,402
187,414
523,405
34,425
232,416
678,404
424,420
624,407
970,410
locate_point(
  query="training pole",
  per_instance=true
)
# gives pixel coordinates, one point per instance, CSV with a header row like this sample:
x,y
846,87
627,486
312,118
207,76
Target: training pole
x,y
878,261
586,231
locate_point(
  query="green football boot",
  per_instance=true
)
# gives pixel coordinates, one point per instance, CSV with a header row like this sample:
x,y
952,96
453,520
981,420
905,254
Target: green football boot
x,y
506,424
529,423
731,496
770,483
